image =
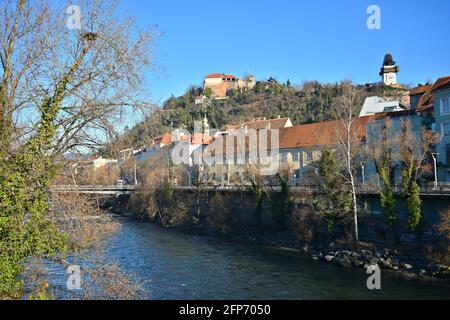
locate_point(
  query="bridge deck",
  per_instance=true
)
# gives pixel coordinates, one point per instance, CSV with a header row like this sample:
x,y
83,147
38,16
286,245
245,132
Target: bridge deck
x,y
441,191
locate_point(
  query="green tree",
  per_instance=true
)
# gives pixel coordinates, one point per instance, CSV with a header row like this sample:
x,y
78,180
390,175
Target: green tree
x,y
387,197
337,205
414,203
208,92
280,201
381,152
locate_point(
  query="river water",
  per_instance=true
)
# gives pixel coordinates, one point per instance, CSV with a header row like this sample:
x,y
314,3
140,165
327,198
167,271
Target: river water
x,y
176,265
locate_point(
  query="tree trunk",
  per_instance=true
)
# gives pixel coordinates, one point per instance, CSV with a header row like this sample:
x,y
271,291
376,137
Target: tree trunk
x,y
352,181
355,213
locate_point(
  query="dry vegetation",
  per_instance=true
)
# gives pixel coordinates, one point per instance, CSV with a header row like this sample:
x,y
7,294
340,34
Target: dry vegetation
x,y
441,251
86,226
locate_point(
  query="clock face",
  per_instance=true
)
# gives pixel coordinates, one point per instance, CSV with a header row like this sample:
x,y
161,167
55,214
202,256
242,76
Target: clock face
x,y
390,78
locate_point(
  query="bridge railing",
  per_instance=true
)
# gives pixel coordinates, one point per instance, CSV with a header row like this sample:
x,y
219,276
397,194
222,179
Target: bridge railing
x,y
426,189
93,188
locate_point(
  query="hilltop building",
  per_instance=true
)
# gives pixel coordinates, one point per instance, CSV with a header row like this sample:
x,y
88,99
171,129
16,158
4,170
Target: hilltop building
x,y
221,84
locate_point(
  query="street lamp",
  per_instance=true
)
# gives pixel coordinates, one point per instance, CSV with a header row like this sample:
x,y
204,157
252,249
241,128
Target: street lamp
x,y
363,173
435,170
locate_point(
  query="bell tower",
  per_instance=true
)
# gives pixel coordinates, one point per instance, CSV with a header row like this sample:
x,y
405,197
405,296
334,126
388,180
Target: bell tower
x,y
389,71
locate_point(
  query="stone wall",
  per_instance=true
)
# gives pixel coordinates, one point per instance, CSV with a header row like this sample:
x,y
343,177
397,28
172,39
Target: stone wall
x,y
240,213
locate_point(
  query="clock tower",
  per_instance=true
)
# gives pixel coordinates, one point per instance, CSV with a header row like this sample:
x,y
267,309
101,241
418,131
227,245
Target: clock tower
x,y
389,71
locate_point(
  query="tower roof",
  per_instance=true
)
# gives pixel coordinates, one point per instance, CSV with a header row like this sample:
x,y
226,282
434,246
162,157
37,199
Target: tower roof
x,y
388,60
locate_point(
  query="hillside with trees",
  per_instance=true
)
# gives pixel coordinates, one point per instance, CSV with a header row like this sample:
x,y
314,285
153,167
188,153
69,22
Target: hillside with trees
x,y
306,103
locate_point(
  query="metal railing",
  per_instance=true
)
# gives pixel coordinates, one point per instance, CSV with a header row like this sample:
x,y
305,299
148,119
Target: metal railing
x,y
427,189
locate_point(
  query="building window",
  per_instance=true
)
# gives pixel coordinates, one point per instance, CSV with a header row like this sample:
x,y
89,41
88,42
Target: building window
x,y
447,153
296,157
309,156
446,127
445,106
284,158
225,177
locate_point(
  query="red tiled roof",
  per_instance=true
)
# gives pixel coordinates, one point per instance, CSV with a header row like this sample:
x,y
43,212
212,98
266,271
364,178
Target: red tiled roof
x,y
309,135
319,134
219,76
427,100
420,90
266,124
164,139
214,76
200,138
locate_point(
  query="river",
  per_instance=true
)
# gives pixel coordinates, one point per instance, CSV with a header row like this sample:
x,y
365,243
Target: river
x,y
177,265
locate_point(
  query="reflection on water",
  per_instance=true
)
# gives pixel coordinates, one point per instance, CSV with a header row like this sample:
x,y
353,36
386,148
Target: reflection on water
x,y
175,265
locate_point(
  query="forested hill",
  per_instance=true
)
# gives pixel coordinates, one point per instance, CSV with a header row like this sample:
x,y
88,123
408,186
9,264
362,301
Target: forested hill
x,y
307,103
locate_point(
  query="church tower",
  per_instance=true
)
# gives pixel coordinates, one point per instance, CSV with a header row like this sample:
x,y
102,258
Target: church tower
x,y
389,71
205,126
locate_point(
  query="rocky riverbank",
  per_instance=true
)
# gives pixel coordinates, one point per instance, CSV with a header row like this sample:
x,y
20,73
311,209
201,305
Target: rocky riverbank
x,y
410,265
387,259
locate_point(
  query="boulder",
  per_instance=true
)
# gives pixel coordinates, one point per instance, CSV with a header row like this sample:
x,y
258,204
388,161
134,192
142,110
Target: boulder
x,y
329,258
407,266
343,262
357,263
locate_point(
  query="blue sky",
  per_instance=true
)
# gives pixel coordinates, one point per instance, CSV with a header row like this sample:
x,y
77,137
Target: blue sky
x,y
292,39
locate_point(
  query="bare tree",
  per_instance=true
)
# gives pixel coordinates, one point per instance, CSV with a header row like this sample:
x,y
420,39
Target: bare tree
x,y
105,60
347,131
60,89
415,149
